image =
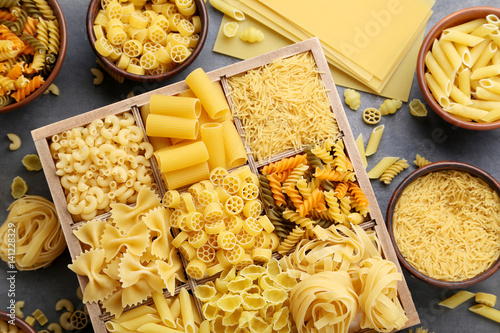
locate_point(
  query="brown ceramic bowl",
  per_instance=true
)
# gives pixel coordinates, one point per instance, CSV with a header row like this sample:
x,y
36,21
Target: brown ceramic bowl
x,y
21,324
201,11
456,18
440,166
60,58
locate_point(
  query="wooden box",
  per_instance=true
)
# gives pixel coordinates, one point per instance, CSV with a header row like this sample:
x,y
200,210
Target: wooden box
x,y
42,137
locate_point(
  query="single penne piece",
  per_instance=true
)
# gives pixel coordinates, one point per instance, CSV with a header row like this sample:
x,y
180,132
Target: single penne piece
x,y
470,26
213,137
485,72
187,311
492,116
459,37
235,151
187,176
485,105
464,81
211,99
466,111
493,19
374,140
438,73
495,37
172,127
163,309
227,9
443,61
492,84
457,299
381,166
361,149
477,51
436,91
486,311
451,53
458,96
182,156
486,299
487,95
464,52
175,106
483,30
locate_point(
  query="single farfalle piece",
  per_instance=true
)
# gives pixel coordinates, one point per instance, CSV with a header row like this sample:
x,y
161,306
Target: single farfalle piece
x,y
252,35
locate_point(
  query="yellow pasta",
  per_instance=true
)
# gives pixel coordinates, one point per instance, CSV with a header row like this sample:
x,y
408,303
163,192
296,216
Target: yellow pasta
x,y
252,35
15,141
32,162
189,175
181,156
213,136
231,29
417,108
172,127
227,9
486,299
175,106
486,311
352,98
212,100
361,149
233,146
374,140
381,166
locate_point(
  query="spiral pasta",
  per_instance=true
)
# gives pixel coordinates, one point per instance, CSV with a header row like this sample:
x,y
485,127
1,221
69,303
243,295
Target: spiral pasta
x,y
33,84
291,240
393,171
421,161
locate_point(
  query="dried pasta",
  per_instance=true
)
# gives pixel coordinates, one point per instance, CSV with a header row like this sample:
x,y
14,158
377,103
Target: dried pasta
x,y
390,106
421,161
38,246
15,141
252,35
18,187
424,205
32,162
393,171
352,98
281,132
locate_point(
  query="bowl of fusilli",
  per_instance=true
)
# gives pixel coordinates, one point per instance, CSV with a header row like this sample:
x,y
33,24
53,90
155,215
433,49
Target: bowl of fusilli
x,y
443,222
34,46
146,41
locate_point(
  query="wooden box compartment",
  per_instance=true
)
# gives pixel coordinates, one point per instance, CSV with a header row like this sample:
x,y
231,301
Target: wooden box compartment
x,y
374,221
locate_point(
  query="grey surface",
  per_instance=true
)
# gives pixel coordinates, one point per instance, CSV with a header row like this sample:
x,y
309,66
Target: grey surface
x,y
405,137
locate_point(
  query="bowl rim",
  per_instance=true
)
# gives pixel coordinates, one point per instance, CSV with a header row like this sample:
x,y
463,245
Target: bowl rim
x,y
455,18
63,43
20,323
422,171
94,6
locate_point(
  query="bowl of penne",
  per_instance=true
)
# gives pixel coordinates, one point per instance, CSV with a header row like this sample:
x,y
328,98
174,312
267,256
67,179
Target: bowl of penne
x,y
444,222
36,41
146,41
9,322
458,68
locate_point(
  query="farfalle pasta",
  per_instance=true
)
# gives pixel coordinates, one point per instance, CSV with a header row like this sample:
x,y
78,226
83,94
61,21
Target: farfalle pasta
x,y
129,257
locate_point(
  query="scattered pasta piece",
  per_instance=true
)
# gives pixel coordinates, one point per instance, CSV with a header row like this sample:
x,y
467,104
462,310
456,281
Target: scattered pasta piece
x,y
40,317
231,29
53,89
19,309
18,188
15,141
486,299
32,162
252,35
352,98
417,108
54,328
372,116
30,320
421,161
390,106
393,171
44,244
130,94
78,320
64,321
374,141
381,167
420,330
65,304
98,76
486,311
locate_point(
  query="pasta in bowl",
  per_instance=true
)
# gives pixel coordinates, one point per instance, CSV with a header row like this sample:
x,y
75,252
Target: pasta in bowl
x,y
435,218
20,324
35,41
456,68
146,41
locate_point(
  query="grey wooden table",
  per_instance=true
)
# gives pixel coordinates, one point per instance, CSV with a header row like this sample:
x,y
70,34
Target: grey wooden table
x,y
405,136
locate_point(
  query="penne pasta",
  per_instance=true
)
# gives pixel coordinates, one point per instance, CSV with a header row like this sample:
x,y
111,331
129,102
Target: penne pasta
x,y
227,9
361,149
466,111
438,73
374,140
381,166
457,299
459,37
486,311
436,91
